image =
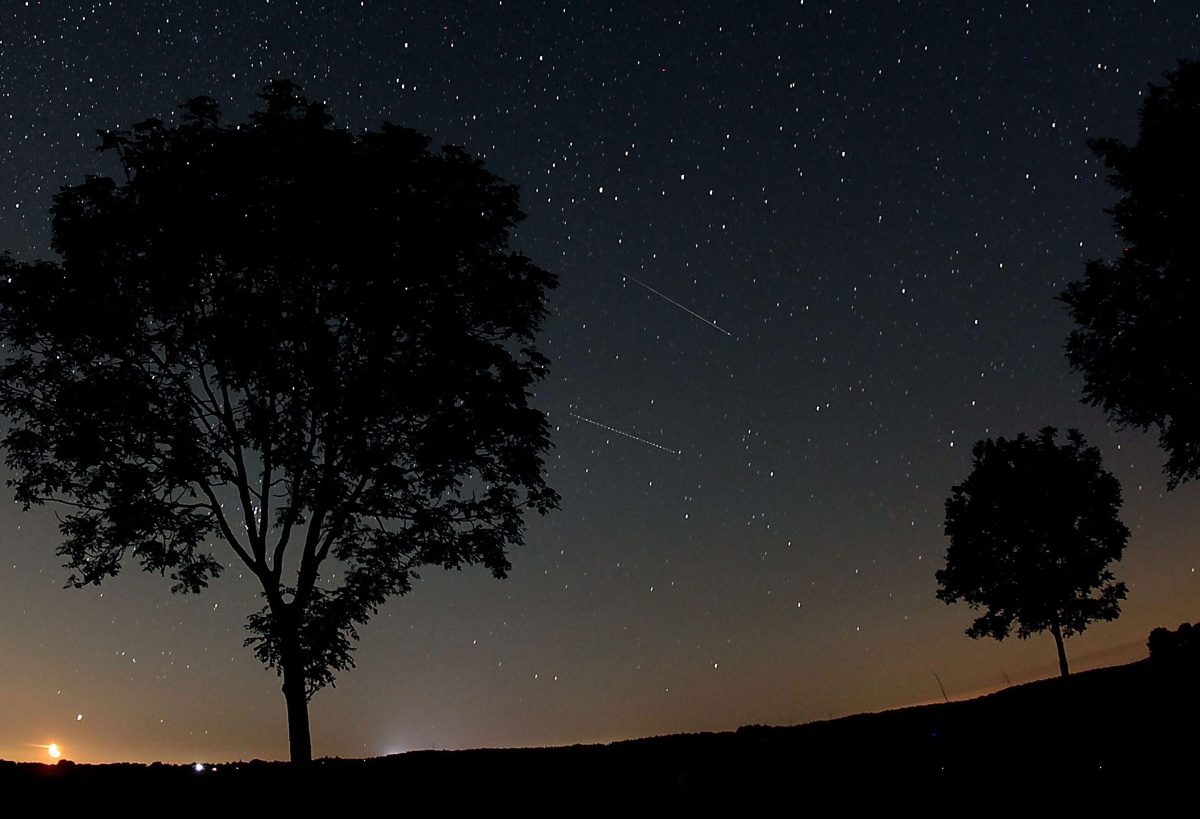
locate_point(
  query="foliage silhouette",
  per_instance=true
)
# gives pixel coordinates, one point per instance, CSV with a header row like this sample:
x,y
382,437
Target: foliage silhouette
x,y
311,345
1181,646
1032,531
1135,340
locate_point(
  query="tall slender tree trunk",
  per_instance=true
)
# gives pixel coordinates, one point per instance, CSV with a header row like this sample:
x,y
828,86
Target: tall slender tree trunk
x,y
295,689
299,740
1062,652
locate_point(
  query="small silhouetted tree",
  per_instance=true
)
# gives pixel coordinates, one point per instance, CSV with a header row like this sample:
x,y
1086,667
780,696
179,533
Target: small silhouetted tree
x,y
1136,337
1178,647
312,345
1032,532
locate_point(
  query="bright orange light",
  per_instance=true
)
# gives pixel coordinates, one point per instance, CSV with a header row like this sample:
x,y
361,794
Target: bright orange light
x,y
53,750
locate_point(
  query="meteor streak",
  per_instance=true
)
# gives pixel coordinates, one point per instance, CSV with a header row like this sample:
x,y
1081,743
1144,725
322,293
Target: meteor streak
x,y
712,324
627,435
52,749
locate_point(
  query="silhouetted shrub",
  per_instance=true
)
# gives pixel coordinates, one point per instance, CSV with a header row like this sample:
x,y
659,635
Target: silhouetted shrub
x,y
1179,646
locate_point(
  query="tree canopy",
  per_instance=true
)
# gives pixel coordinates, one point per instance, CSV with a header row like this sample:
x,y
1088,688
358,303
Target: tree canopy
x,y
311,345
1032,532
1135,340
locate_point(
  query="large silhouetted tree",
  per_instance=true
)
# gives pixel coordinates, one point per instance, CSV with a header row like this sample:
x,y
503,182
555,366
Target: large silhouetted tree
x,y
311,345
1032,532
1136,339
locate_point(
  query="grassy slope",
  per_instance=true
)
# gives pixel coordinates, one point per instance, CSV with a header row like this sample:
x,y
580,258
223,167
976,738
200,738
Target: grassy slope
x,y
1099,732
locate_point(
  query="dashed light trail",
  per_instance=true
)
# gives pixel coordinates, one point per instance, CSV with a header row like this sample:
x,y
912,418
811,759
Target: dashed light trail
x,y
627,435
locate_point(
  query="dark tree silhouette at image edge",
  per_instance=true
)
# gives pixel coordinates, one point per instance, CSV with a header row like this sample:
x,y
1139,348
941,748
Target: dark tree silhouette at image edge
x,y
311,345
1032,532
1135,342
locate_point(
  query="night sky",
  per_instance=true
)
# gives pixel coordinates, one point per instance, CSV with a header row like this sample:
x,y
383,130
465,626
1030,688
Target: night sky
x,y
808,255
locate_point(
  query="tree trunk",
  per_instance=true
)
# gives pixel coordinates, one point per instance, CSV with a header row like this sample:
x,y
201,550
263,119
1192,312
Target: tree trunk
x,y
1062,653
299,741
295,691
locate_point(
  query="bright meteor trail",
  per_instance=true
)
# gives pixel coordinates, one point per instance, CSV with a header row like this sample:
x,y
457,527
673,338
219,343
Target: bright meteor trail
x,y
627,435
677,304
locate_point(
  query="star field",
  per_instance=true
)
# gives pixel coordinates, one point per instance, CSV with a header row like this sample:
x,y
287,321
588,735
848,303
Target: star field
x,y
808,255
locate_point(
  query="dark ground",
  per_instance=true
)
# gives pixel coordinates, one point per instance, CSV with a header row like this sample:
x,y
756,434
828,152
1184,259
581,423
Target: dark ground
x,y
1114,736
